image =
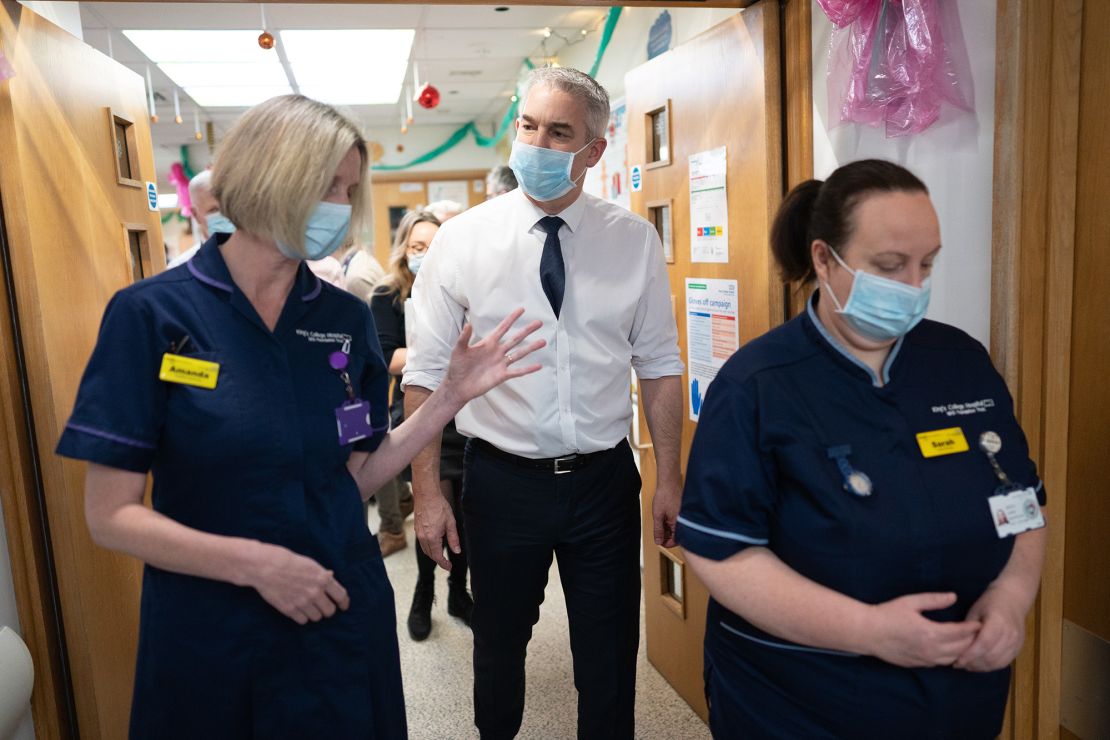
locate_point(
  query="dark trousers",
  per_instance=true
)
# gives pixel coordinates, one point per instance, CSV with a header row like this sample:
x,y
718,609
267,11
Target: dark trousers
x,y
516,519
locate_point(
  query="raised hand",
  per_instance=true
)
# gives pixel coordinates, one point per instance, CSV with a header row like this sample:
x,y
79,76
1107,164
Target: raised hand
x,y
905,637
476,368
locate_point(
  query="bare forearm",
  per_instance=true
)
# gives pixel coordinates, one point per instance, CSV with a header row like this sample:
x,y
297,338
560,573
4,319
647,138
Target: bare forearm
x,y
422,427
662,399
1022,574
425,466
777,599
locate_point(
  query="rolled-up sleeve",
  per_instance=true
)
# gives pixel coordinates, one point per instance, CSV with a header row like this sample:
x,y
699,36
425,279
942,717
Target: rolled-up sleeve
x,y
654,335
439,315
121,404
729,497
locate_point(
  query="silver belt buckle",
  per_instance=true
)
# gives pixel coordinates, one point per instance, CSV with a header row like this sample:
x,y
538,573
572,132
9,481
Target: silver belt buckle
x,y
559,470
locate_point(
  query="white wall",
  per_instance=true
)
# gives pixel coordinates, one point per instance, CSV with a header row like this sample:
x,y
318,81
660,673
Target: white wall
x,y
64,14
954,158
628,47
9,616
467,155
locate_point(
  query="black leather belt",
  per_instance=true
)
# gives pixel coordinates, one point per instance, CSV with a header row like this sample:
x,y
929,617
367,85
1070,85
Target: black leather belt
x,y
556,465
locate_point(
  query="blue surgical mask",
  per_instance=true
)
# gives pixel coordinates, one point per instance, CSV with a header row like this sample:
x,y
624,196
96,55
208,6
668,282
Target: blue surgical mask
x,y
414,262
218,223
326,230
878,308
544,174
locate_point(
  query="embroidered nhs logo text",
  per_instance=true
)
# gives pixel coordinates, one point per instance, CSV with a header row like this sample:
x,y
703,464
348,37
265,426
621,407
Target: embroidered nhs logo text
x,y
964,409
330,337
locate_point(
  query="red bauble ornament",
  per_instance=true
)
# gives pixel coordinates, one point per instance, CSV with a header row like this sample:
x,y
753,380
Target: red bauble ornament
x,y
428,97
266,40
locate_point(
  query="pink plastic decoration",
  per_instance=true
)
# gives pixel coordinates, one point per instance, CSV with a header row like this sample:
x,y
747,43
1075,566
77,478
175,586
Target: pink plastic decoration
x,y
6,71
181,182
894,62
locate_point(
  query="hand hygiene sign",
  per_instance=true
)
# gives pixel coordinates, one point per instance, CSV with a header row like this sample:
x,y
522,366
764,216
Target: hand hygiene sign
x,y
712,334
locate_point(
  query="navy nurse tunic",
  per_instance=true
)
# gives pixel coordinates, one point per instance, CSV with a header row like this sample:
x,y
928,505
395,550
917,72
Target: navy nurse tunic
x,y
761,473
256,457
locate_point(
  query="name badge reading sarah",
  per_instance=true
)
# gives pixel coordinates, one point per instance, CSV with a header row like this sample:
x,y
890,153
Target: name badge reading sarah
x,y
942,442
189,371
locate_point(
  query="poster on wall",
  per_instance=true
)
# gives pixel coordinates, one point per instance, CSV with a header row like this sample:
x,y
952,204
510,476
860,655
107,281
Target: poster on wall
x,y
708,207
608,179
456,190
712,334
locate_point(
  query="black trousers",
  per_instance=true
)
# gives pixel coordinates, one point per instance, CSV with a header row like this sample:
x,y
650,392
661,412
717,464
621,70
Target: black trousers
x,y
517,518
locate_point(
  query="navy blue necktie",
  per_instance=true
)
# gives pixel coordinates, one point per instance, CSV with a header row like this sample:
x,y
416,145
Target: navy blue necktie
x,y
553,276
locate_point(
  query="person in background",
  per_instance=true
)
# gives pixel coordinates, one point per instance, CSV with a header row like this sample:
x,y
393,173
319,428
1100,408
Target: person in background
x,y
389,306
208,220
255,394
841,519
499,181
444,209
361,271
204,205
549,472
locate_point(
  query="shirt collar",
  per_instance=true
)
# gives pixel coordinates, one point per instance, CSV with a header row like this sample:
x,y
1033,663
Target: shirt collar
x,y
571,215
208,266
811,313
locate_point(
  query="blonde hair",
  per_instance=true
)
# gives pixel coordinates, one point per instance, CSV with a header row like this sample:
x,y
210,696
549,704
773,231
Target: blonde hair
x,y
277,163
398,277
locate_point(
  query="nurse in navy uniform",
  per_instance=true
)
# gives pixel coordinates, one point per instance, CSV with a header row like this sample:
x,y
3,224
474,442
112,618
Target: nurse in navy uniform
x,y
256,396
843,490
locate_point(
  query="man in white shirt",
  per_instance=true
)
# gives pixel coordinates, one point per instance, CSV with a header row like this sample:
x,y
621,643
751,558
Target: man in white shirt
x,y
548,468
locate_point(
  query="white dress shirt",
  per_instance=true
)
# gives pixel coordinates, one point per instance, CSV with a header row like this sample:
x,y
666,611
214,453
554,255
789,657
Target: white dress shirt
x,y
616,313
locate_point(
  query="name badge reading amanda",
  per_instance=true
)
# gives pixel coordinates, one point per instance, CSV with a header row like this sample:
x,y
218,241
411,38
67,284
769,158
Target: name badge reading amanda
x,y
189,371
942,442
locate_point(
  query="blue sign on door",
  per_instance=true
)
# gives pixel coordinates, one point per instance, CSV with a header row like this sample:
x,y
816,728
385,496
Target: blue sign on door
x,y
152,196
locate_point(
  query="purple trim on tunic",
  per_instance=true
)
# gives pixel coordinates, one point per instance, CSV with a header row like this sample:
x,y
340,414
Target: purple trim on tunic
x,y
110,436
315,291
205,279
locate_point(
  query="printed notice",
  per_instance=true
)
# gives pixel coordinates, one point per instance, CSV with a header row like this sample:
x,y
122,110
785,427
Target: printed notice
x,y
712,334
708,207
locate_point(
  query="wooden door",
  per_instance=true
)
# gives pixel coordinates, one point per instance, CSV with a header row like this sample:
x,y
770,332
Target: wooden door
x,y
719,89
395,193
78,228
1085,654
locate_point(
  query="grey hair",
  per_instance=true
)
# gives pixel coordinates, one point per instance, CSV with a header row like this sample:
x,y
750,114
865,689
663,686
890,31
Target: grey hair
x,y
201,181
580,85
501,179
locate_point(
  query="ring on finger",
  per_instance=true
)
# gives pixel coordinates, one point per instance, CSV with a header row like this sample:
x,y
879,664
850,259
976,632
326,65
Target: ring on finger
x,y
509,357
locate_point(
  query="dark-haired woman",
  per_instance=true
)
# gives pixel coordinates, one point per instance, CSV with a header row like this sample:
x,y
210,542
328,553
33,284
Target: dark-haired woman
x,y
843,487
414,236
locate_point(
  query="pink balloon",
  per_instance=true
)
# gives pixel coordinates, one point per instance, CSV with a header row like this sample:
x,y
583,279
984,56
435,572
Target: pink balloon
x,y
181,182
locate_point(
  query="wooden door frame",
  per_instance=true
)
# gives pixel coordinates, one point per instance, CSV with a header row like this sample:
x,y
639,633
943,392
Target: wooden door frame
x,y
1035,172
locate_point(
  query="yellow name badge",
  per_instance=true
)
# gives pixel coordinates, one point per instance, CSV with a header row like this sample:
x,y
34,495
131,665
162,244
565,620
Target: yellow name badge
x,y
942,442
189,371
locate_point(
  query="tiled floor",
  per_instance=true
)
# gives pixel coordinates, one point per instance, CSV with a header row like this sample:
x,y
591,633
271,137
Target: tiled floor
x,y
437,672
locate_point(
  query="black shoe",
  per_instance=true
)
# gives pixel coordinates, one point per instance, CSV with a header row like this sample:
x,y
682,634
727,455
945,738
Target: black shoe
x,y
420,616
459,603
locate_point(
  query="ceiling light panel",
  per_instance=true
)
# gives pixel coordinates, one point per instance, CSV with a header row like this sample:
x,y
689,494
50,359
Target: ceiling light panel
x,y
349,67
201,46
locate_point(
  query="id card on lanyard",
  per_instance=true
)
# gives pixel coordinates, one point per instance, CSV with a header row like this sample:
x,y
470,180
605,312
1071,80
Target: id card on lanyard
x,y
1014,509
352,418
